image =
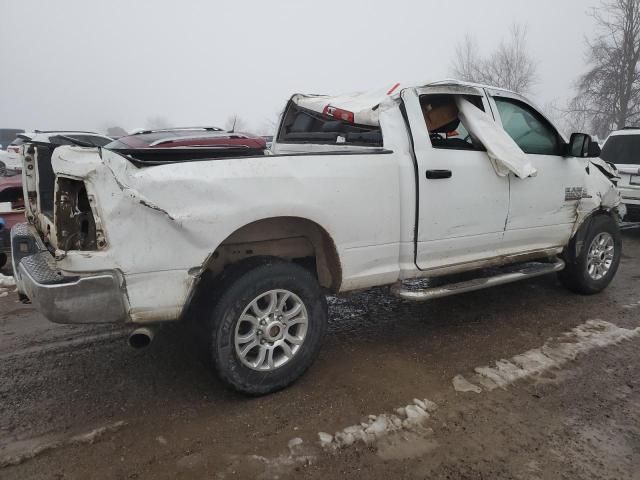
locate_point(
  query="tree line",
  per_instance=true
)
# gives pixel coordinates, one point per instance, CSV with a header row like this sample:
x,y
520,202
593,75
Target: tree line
x,y
607,95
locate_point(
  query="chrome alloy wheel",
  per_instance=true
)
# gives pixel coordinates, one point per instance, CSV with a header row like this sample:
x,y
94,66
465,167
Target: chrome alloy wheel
x,y
600,256
271,330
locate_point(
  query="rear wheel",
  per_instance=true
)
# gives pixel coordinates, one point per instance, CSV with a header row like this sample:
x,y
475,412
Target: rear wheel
x,y
267,326
593,269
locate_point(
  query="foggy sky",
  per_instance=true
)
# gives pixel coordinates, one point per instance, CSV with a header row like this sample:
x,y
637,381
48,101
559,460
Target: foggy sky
x,y
80,64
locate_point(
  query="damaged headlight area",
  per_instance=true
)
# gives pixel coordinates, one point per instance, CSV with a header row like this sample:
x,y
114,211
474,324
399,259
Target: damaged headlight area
x,y
74,218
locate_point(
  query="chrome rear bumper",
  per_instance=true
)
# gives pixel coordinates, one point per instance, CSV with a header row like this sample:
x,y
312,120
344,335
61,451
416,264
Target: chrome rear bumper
x,y
60,296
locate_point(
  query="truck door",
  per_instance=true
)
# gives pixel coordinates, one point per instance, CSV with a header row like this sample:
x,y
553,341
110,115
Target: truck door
x,y
542,209
462,202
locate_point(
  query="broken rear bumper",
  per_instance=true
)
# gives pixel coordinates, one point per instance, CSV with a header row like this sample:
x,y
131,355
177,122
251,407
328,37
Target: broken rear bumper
x,y
60,296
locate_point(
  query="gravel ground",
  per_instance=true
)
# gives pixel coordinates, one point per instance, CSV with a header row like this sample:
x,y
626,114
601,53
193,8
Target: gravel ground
x,y
76,402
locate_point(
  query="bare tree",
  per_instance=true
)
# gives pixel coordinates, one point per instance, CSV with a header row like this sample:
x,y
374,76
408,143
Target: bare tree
x,y
158,122
609,93
116,132
510,66
236,124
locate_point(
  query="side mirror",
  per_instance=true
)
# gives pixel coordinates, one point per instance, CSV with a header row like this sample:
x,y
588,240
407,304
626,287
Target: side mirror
x,y
579,145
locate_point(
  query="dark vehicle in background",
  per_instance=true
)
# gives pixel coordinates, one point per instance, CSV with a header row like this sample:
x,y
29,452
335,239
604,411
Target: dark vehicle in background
x,y
8,135
622,148
189,143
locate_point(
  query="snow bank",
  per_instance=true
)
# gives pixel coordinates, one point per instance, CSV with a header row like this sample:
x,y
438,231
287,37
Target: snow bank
x,y
553,354
408,418
7,282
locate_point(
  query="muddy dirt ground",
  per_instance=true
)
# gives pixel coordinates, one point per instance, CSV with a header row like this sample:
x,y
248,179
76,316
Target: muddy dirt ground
x,y
78,403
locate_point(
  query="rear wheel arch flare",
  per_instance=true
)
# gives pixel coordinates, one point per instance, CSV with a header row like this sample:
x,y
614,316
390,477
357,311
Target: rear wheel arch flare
x,y
291,238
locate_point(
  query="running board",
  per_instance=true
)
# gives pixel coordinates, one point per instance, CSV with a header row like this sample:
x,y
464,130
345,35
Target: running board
x,y
528,270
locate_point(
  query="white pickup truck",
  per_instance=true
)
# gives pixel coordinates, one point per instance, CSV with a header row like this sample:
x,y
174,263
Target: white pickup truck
x,y
381,188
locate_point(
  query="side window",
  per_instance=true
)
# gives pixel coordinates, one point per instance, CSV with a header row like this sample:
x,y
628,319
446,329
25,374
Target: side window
x,y
528,128
446,129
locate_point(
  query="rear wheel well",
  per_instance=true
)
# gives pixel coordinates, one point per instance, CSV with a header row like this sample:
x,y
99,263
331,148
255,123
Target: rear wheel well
x,y
290,238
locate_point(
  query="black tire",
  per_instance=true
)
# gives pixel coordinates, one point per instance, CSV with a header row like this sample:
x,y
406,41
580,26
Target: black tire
x,y
241,286
576,276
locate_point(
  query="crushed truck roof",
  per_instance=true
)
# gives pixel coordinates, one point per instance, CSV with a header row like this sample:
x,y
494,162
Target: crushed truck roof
x,y
364,106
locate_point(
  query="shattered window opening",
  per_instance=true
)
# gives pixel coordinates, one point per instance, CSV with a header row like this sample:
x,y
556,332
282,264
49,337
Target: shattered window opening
x,y
446,128
301,125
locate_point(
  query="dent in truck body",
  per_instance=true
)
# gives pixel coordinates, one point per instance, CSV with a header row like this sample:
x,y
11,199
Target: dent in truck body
x,y
199,210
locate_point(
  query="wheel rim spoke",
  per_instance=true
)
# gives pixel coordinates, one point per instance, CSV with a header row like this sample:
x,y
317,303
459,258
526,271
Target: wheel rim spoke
x,y
283,301
297,321
260,358
293,312
294,340
270,362
286,349
250,319
248,347
243,339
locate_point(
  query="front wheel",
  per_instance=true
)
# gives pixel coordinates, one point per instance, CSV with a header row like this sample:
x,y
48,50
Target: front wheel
x,y
267,327
593,269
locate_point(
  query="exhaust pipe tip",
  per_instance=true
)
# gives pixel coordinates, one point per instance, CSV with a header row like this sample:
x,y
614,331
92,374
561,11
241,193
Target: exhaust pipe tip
x,y
141,338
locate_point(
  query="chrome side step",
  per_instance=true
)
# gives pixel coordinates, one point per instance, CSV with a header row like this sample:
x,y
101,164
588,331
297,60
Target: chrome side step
x,y
522,272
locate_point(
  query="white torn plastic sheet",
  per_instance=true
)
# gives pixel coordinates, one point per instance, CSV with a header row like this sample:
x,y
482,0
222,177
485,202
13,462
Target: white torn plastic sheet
x,y
364,105
505,154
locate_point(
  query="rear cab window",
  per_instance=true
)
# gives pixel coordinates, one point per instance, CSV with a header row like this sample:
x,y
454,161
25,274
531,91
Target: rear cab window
x,y
332,127
67,139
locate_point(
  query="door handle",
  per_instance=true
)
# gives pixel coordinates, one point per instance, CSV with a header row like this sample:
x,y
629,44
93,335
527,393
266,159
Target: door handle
x,y
438,174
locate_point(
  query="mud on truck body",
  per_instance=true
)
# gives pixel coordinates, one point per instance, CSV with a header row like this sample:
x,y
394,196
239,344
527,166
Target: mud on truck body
x,y
363,190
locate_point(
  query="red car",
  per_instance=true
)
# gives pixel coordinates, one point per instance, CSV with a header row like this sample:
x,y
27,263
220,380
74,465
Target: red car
x,y
185,144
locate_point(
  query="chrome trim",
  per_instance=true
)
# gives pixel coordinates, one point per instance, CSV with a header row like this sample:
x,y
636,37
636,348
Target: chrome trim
x,y
91,299
499,261
78,299
476,284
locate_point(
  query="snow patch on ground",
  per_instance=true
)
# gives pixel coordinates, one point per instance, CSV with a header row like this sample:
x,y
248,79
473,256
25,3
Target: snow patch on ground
x,y
553,354
7,282
36,447
461,384
396,436
270,468
632,305
410,418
